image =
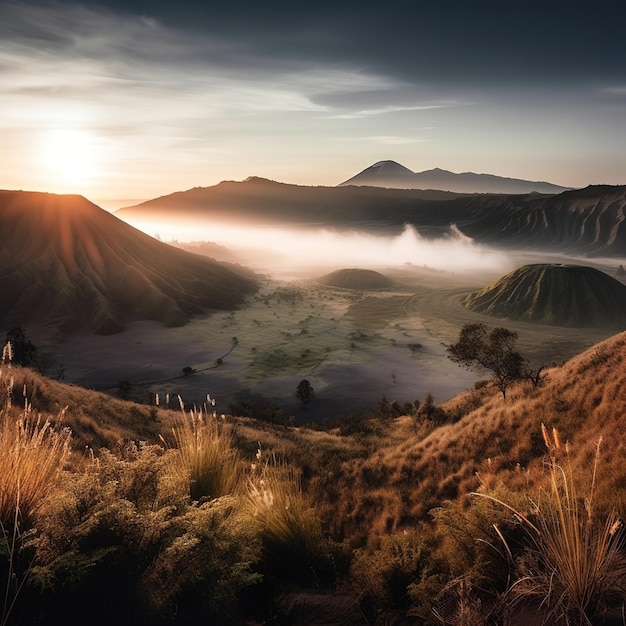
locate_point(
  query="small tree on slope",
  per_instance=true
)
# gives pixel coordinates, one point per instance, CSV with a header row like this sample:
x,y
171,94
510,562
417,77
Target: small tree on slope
x,y
493,351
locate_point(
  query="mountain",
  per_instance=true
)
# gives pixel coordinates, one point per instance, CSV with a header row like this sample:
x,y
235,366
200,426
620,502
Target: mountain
x,y
66,263
583,222
393,175
554,294
271,202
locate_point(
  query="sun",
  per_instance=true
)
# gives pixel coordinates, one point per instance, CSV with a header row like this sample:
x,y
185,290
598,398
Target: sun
x,y
70,158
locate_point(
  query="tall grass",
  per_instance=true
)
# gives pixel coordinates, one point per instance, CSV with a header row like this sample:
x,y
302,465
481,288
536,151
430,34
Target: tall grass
x,y
575,561
32,454
290,531
207,457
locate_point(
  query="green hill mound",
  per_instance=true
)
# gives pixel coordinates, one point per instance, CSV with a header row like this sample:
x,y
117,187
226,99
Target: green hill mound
x,y
356,279
558,295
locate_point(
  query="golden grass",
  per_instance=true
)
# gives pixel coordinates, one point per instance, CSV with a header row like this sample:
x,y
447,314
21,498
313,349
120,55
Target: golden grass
x,y
289,527
206,458
575,563
32,453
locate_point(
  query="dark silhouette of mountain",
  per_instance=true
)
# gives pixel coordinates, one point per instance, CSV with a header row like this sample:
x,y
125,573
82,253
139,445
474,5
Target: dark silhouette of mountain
x,y
584,222
66,263
393,175
265,201
558,295
356,279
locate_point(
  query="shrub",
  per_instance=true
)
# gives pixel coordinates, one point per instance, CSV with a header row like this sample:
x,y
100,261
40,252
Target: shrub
x,y
385,575
120,539
207,563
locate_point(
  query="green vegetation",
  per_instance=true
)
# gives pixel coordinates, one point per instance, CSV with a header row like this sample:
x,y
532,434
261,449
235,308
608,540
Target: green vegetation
x,y
305,392
555,294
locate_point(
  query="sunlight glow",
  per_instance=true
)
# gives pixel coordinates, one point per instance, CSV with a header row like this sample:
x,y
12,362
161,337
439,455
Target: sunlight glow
x,y
70,157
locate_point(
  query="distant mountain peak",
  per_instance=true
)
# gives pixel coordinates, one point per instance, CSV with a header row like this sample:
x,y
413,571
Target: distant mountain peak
x,y
392,175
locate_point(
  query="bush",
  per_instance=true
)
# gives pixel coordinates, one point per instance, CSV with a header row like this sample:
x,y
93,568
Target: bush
x,y
121,539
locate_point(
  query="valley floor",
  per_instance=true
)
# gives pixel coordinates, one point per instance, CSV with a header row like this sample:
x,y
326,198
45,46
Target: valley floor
x,y
355,347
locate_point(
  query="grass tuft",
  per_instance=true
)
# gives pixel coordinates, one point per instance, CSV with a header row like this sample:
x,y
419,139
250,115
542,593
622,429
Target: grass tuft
x,y
32,453
574,563
207,457
290,531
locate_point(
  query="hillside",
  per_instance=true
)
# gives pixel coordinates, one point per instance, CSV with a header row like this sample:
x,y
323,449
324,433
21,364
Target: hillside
x,y
416,467
353,278
393,175
558,295
65,263
374,475
584,222
373,520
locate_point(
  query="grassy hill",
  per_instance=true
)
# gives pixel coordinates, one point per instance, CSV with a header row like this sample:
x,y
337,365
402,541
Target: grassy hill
x,y
558,295
355,279
372,519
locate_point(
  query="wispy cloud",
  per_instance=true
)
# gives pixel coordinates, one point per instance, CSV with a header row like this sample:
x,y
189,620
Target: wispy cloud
x,y
391,109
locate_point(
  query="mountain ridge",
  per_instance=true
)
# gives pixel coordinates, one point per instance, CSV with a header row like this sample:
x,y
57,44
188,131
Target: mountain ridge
x,y
584,222
391,174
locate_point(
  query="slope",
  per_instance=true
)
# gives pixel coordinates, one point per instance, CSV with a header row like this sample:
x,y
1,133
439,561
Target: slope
x,y
559,295
417,466
65,263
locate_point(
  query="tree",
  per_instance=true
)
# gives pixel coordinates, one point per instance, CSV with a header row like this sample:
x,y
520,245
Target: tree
x,y
24,351
305,393
124,388
493,351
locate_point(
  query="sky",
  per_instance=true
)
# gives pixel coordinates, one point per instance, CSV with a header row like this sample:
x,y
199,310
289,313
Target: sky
x,y
134,99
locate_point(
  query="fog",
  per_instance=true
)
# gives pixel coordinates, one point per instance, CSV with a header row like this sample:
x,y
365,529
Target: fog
x,y
282,250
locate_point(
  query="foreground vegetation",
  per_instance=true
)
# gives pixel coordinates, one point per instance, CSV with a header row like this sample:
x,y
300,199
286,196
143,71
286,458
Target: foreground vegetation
x,y
482,510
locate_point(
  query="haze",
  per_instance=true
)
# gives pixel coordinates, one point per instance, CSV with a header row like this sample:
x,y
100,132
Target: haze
x,y
287,253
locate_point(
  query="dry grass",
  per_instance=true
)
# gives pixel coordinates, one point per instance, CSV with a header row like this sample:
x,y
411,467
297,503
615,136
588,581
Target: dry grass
x,y
290,530
575,563
32,453
206,458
